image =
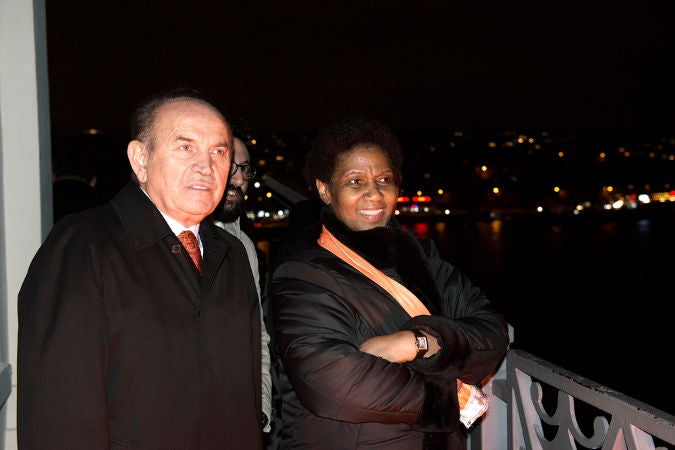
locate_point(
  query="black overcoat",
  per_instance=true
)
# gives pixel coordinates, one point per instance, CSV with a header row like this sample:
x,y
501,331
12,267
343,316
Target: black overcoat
x,y
122,345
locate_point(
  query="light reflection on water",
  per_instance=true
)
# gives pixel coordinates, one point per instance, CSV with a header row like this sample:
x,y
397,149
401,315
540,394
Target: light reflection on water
x,y
591,296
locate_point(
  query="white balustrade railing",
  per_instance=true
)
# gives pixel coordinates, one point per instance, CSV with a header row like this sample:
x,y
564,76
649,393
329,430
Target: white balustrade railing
x,y
536,405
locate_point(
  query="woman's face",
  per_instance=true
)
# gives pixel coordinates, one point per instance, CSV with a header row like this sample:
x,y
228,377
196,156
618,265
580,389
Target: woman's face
x,y
362,192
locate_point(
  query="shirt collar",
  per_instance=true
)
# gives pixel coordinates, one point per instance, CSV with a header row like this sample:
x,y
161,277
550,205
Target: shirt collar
x,y
176,226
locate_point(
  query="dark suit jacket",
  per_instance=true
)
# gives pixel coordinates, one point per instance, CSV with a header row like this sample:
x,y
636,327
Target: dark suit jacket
x,y
122,345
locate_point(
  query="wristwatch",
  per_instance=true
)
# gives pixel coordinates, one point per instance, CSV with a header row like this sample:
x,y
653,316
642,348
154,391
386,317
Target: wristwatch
x,y
421,343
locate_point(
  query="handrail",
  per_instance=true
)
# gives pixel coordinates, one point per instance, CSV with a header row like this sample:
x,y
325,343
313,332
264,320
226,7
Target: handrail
x,y
526,388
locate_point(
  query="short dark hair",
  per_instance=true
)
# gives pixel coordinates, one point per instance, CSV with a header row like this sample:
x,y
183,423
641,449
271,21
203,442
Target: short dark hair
x,y
242,130
345,135
143,118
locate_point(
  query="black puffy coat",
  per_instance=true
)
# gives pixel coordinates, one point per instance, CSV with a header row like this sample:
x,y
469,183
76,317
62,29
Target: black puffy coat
x,y
342,398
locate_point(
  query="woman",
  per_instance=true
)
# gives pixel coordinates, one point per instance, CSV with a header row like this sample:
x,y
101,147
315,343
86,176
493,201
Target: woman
x,y
360,375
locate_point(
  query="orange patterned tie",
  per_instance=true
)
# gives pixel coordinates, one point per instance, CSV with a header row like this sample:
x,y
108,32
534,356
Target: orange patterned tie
x,y
190,243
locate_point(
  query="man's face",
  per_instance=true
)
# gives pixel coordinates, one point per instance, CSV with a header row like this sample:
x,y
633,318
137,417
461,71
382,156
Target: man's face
x,y
237,184
186,171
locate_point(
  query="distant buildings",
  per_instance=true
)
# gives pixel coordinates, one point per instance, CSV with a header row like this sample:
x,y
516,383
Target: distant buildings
x,y
501,173
488,174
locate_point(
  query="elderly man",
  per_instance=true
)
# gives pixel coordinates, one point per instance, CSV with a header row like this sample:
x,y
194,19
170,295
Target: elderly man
x,y
130,337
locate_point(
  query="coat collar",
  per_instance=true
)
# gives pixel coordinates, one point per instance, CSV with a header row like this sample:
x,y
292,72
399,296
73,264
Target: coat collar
x,y
390,248
140,218
145,226
380,246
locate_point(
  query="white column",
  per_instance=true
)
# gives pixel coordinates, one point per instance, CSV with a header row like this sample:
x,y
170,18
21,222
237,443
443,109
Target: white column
x,y
25,172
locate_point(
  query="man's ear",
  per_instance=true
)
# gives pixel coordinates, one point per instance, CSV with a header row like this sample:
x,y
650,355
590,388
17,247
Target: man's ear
x,y
138,158
324,191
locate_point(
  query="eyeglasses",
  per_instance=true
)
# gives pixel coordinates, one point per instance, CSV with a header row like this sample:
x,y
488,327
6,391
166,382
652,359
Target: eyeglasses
x,y
247,170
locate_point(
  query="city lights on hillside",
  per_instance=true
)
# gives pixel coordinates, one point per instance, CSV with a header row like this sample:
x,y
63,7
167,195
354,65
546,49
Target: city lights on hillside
x,y
498,177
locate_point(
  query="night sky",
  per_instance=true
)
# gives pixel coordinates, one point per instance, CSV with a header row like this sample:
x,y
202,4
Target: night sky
x,y
523,65
416,65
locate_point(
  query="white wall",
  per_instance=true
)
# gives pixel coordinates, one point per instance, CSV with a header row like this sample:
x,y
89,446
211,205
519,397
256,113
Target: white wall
x,y
25,174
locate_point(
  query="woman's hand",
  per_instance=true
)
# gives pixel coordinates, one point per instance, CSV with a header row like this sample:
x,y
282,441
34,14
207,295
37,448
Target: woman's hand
x,y
398,347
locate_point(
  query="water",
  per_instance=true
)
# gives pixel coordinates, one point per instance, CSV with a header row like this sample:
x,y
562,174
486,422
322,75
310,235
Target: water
x,y
592,296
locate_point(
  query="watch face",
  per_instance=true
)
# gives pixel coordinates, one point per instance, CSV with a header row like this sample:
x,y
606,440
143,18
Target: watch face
x,y
422,343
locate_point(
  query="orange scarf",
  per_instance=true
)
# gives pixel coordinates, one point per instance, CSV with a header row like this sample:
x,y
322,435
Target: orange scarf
x,y
472,401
